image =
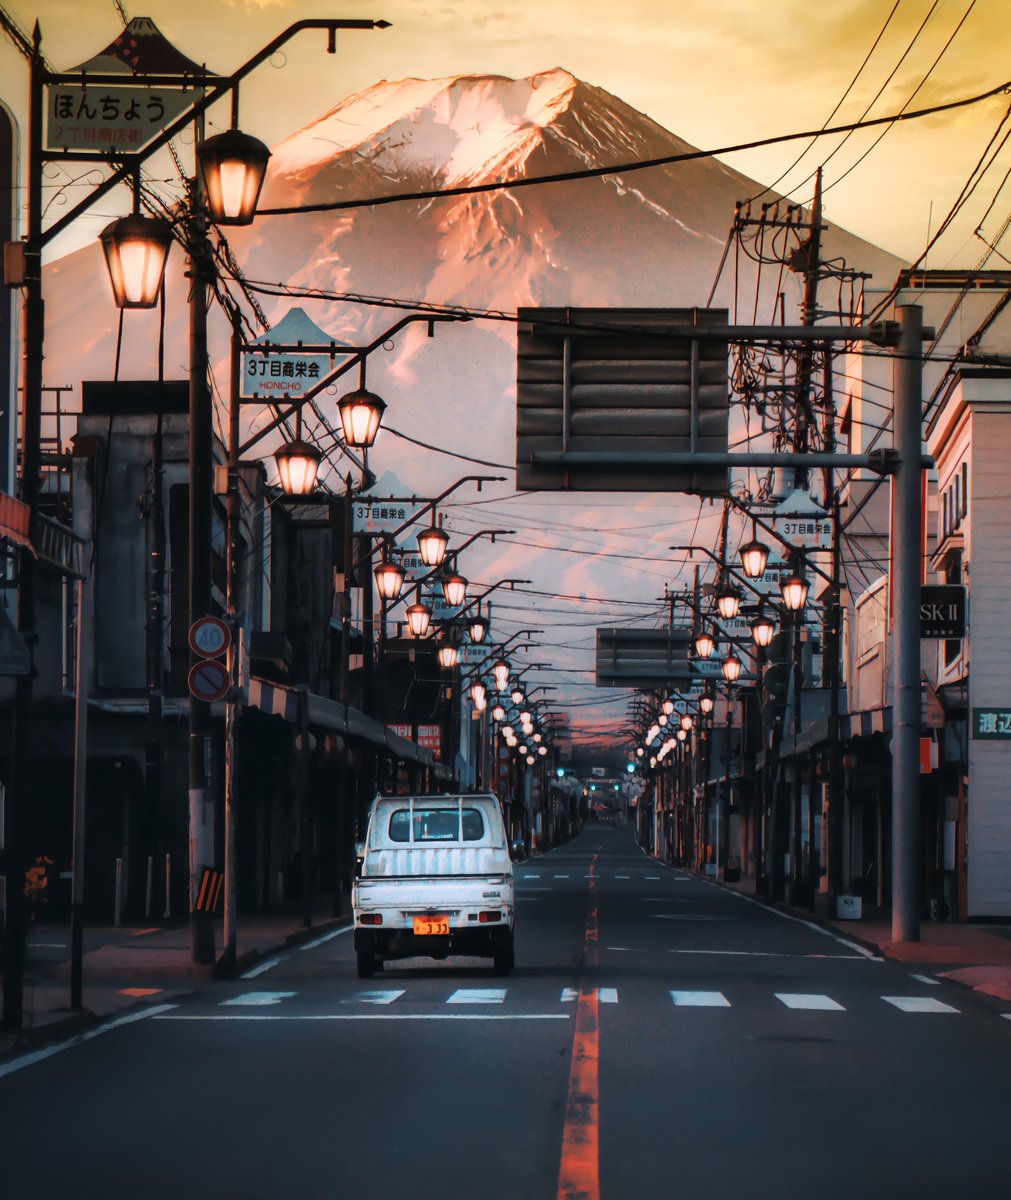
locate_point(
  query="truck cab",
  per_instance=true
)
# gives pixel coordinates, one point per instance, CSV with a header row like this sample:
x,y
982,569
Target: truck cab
x,y
436,879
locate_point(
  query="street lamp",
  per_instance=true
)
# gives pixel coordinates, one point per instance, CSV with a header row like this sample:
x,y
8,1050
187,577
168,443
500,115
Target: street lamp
x,y
454,588
449,655
530,760
728,601
732,668
682,735
501,672
516,695
705,644
754,557
538,738
419,617
662,719
706,703
763,630
478,629
232,166
432,543
360,413
507,731
687,721
389,579
297,466
668,706
498,713
136,248
525,715
479,695
542,750
794,590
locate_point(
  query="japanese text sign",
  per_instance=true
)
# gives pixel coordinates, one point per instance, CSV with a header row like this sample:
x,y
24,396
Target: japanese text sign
x,y
122,119
991,722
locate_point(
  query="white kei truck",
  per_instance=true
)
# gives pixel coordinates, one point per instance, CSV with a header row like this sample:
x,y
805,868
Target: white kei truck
x,y
435,879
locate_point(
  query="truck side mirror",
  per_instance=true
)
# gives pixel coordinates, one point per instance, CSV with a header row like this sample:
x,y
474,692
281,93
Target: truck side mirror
x,y
518,849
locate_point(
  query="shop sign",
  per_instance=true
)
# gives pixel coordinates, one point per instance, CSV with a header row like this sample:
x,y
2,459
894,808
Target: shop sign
x,y
991,723
942,611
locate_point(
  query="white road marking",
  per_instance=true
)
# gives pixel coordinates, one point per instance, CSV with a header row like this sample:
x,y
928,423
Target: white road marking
x,y
380,997
364,1017
477,996
260,968
1006,1016
919,1004
803,1000
531,875
623,949
700,999
651,876
773,954
926,979
604,995
688,917
259,998
563,876
623,876
327,937
28,1060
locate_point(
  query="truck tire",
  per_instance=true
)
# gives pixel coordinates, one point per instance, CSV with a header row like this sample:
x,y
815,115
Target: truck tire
x,y
505,958
367,964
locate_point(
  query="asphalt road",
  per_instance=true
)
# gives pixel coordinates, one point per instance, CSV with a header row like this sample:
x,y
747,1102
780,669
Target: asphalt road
x,y
661,1037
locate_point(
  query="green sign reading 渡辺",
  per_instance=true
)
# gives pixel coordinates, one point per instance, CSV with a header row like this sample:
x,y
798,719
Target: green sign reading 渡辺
x,y
991,723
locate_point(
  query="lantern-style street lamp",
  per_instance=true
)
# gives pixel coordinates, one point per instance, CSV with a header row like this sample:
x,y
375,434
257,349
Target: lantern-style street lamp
x,y
136,248
390,581
297,466
662,719
501,672
449,655
432,543
525,716
687,721
530,760
682,735
477,628
794,590
706,703
419,618
538,738
516,695
479,695
454,588
668,706
360,413
731,668
542,750
498,713
705,644
763,630
754,557
728,601
232,166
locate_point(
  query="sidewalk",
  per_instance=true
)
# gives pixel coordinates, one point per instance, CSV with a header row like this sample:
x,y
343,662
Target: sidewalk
x,y
977,956
138,964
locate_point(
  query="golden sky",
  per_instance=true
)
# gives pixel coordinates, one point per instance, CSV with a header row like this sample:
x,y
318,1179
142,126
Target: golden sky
x,y
715,72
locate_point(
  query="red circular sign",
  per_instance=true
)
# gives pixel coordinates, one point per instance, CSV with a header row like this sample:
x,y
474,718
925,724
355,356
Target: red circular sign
x,y
209,637
209,681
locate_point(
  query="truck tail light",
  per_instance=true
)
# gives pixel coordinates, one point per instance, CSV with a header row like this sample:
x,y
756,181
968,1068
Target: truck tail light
x,y
485,917
372,918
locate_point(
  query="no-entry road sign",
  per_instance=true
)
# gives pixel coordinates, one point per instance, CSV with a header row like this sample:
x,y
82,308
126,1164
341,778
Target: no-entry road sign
x,y
208,680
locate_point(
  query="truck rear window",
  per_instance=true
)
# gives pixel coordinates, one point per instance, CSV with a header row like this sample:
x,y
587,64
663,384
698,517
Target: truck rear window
x,y
436,825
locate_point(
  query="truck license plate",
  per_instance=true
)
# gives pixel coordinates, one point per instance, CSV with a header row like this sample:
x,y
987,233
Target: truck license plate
x,y
429,926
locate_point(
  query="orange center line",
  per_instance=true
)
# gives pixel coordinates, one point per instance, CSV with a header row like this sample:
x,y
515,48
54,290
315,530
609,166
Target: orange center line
x,y
579,1173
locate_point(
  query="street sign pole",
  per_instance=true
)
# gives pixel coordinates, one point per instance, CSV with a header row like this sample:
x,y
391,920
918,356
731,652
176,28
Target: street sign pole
x,y
906,507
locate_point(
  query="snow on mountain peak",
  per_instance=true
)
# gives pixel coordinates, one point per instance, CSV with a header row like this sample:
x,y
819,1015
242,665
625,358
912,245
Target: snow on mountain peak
x,y
458,126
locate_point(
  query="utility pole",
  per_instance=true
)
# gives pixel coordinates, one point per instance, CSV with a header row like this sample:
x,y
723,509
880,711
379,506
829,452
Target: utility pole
x,y
232,543
907,513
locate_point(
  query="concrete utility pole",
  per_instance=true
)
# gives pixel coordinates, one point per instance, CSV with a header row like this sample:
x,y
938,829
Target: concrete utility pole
x,y
907,550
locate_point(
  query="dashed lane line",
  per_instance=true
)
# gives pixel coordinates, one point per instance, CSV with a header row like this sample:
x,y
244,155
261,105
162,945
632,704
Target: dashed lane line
x,y
919,1004
807,1001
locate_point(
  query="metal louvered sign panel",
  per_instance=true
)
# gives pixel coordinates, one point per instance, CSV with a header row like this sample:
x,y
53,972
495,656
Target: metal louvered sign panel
x,y
603,395
643,658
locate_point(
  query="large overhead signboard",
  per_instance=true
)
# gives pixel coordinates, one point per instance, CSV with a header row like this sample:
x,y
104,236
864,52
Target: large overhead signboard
x,y
604,394
643,658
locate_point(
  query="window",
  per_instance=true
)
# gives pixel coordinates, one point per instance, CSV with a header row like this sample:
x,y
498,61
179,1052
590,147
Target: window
x,y
436,825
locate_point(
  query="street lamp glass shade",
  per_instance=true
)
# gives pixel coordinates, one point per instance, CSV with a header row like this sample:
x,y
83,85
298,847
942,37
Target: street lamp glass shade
x,y
706,704
389,579
763,630
479,695
523,749
512,741
516,695
705,644
794,592
419,617
501,672
432,545
538,738
498,712
542,750
728,601
668,706
454,588
662,719
682,735
297,465
525,715
528,728
530,760
449,656
640,752
687,721
233,166
754,556
135,249
732,668
507,731
478,629
360,412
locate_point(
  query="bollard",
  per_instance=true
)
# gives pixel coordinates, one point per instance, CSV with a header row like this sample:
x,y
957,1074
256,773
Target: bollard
x,y
168,887
118,915
150,884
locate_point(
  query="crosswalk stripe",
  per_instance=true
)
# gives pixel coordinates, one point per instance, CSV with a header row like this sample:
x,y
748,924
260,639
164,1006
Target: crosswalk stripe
x,y
926,979
700,999
477,996
804,1000
259,998
919,1004
604,995
379,997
